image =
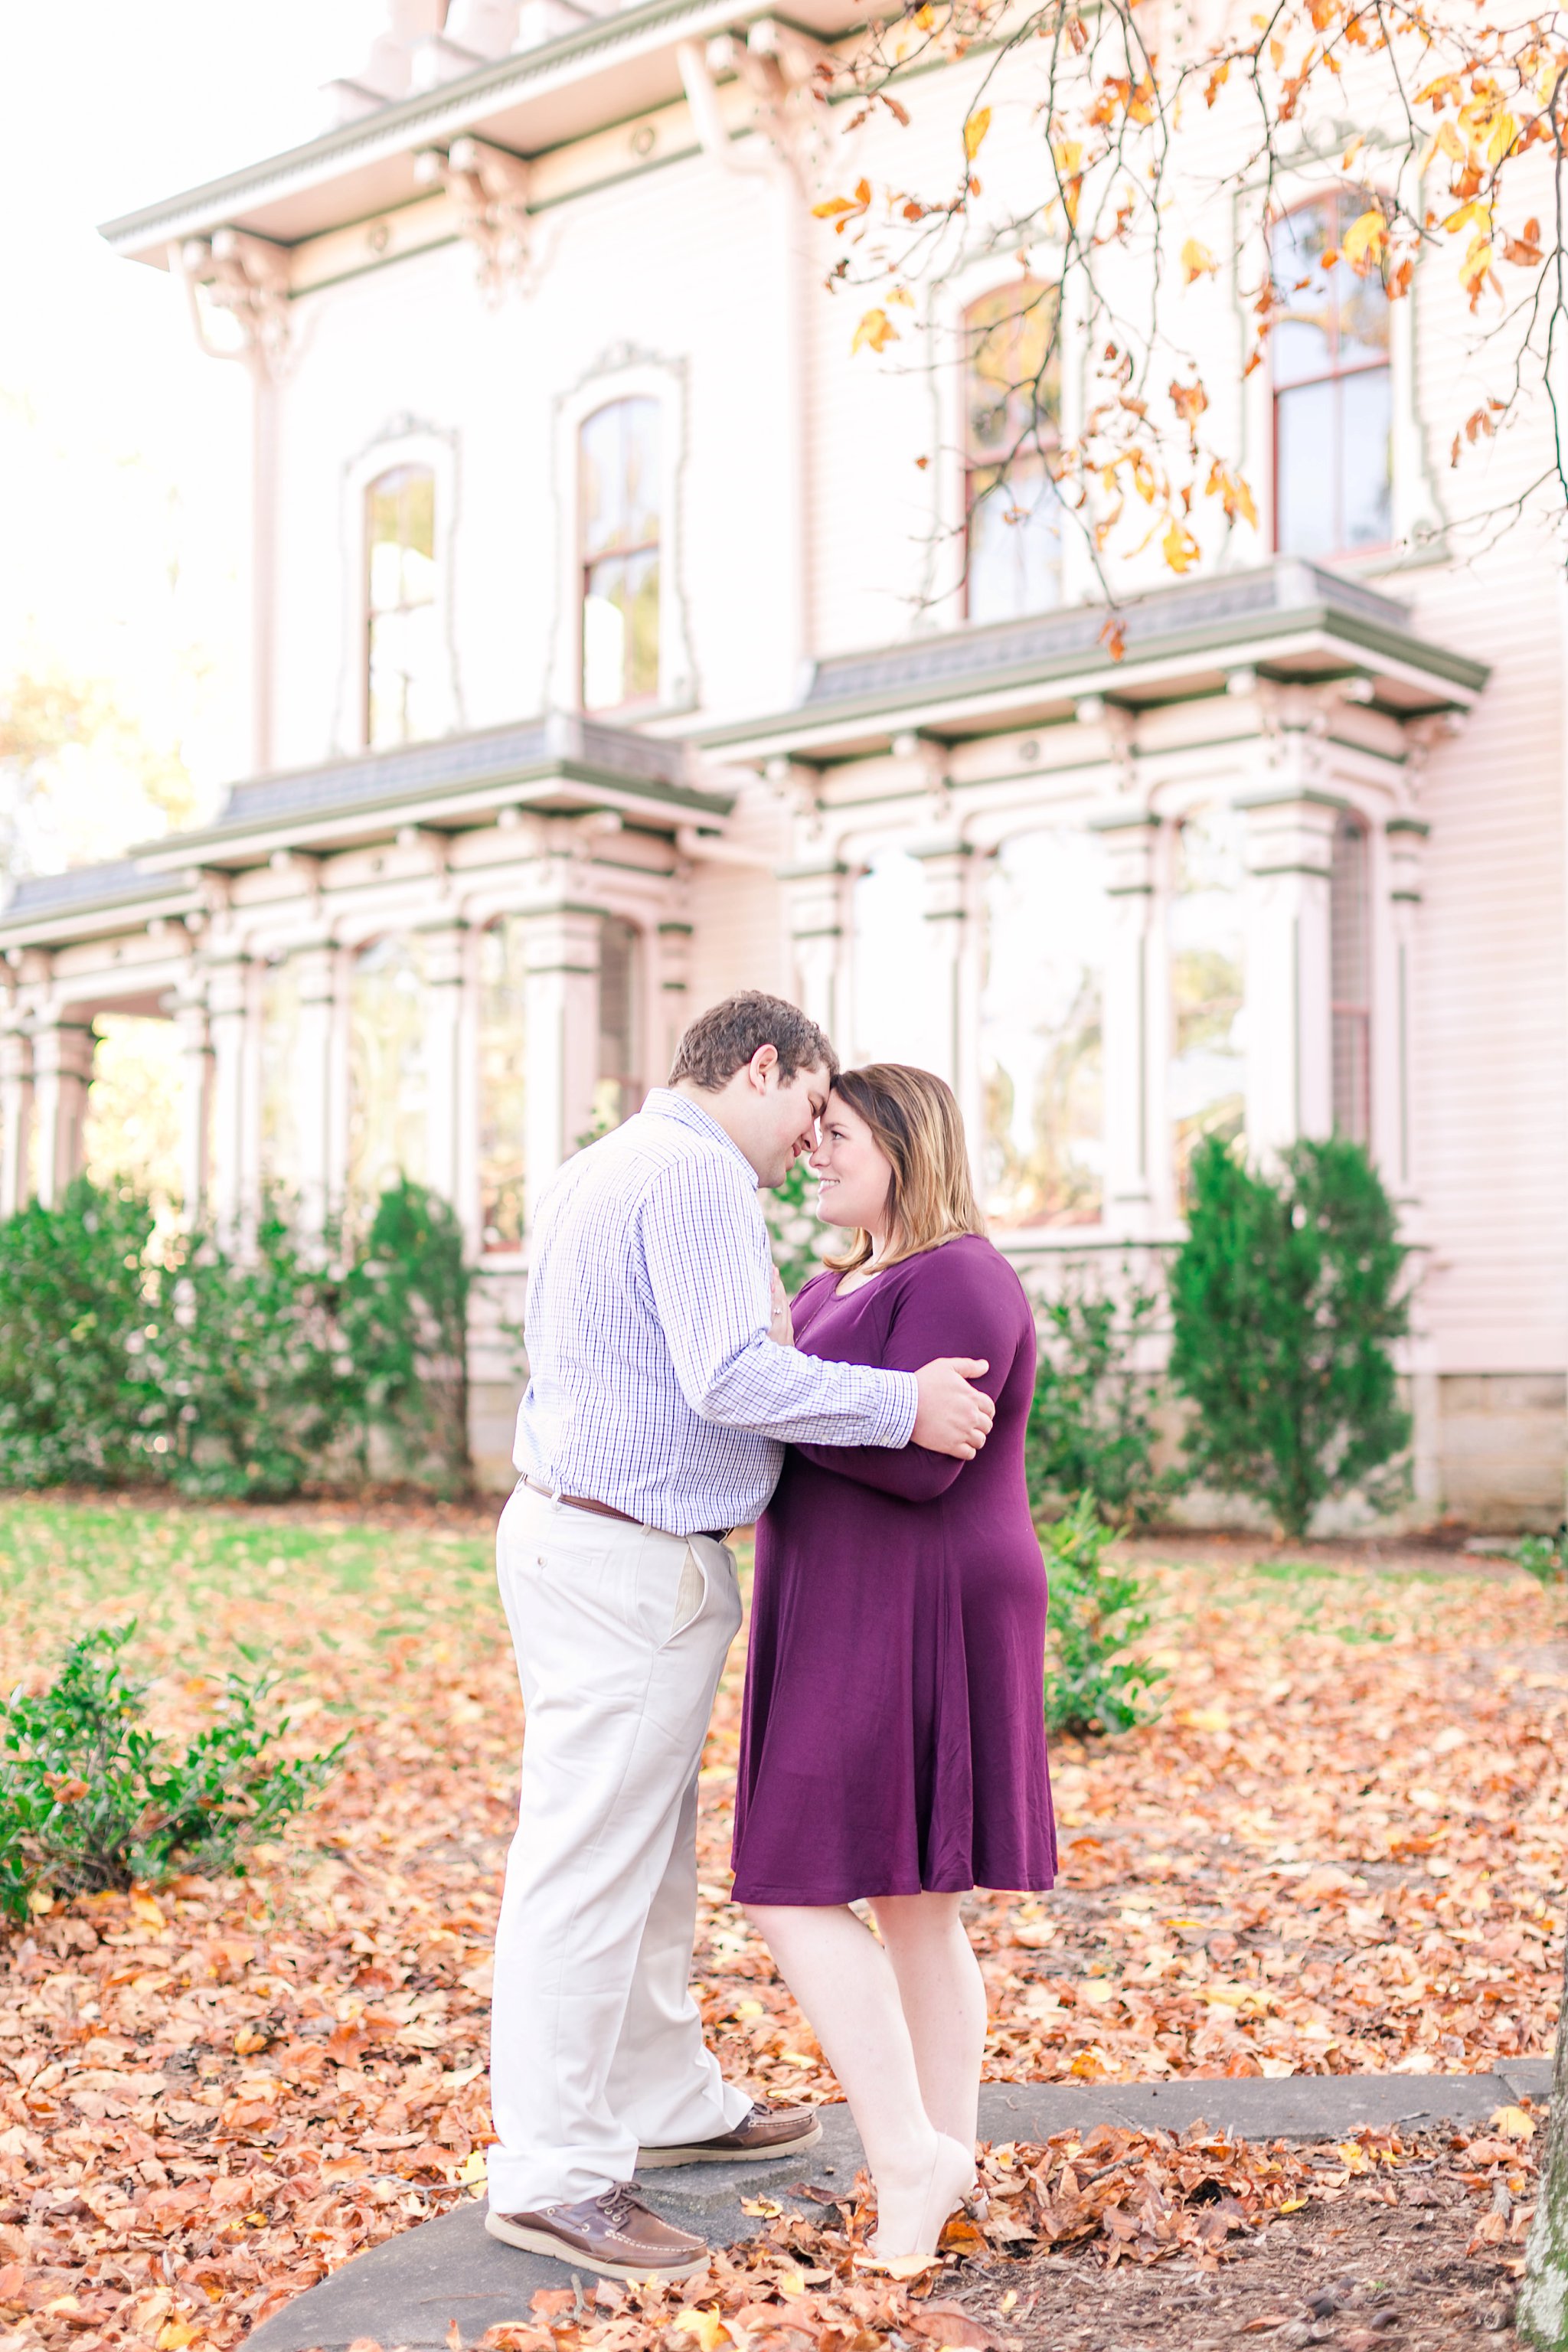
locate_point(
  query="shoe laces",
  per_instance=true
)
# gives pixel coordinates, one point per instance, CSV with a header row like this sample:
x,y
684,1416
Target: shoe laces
x,y
621,2204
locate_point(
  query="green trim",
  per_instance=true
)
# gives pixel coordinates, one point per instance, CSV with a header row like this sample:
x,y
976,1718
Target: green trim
x,y
1286,798
1415,825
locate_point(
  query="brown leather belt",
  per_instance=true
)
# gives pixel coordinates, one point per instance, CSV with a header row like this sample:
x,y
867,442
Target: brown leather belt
x,y
608,1510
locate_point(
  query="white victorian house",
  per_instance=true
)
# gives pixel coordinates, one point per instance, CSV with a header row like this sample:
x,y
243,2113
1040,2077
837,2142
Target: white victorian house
x,y
620,638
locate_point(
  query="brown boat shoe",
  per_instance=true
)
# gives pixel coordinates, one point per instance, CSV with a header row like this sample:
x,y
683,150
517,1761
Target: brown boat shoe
x,y
614,2235
765,2131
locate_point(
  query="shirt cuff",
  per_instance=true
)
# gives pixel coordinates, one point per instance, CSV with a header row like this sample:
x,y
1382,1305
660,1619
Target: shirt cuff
x,y
896,1422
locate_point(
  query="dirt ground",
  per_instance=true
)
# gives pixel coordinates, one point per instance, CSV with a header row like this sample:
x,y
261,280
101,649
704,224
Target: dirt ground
x,y
1350,2274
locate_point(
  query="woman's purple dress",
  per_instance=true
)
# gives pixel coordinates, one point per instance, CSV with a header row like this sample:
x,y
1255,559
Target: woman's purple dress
x,y
893,1738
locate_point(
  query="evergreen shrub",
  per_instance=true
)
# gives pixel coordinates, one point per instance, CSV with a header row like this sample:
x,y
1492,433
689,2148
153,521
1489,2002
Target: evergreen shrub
x,y
75,1303
1286,1298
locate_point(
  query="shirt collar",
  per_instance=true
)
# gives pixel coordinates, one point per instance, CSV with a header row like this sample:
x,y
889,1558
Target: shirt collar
x,y
664,1102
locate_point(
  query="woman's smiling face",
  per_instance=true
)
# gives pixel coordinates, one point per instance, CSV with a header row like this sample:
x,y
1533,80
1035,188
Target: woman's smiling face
x,y
852,1170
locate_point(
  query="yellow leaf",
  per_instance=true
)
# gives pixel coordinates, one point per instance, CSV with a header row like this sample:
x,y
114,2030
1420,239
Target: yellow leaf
x,y
1293,2205
1179,547
1197,261
1512,2122
1352,151
974,130
1365,240
875,331
706,2326
901,294
476,2170
1505,130
176,2335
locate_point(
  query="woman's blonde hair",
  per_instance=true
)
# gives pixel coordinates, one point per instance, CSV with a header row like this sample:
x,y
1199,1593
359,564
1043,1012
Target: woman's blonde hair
x,y
915,1118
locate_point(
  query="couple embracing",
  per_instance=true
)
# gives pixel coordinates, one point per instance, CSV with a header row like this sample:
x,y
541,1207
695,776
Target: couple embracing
x,y
893,1745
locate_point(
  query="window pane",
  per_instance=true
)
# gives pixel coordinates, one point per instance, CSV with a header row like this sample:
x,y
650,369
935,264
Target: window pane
x,y
1366,425
1351,979
1040,1031
619,468
891,960
403,649
280,1063
1305,467
1302,342
1014,546
386,1069
503,1083
620,631
620,1089
1207,1070
1013,367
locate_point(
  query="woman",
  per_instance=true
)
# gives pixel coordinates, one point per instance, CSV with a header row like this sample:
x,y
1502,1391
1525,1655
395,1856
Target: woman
x,y
893,1745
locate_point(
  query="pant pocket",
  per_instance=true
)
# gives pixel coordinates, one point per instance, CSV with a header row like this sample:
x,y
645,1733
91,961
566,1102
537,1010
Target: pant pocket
x,y
690,1593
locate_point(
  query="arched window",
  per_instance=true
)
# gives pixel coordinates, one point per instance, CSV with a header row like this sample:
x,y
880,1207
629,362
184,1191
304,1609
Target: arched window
x,y
403,651
1350,965
618,463
1012,423
1332,396
503,1083
279,1043
387,1093
1208,986
1041,1031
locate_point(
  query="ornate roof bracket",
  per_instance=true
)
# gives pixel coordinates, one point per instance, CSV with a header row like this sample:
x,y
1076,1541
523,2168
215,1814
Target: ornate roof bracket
x,y
489,189
248,278
787,74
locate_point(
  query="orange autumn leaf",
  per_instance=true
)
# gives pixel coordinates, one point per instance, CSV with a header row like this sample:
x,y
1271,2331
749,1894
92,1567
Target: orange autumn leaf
x,y
874,332
1197,261
974,130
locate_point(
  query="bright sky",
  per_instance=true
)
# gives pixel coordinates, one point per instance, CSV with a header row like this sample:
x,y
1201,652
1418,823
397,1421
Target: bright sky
x,y
124,454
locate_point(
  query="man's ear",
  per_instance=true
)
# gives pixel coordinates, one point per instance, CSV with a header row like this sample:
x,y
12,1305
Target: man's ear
x,y
763,1061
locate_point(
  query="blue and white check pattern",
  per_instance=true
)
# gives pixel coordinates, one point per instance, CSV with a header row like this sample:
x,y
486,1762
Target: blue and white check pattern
x,y
655,1386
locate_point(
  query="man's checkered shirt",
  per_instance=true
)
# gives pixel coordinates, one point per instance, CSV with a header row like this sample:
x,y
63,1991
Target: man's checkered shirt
x,y
654,1385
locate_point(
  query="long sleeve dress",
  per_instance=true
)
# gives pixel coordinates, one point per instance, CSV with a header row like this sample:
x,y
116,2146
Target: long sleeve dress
x,y
893,1737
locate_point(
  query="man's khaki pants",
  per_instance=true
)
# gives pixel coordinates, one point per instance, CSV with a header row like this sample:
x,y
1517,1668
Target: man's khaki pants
x,y
595,2043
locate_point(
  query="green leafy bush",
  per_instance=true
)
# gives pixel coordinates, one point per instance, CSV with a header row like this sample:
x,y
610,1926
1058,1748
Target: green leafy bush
x,y
1092,1422
90,1797
1097,1612
1286,1298
225,1372
74,1301
1545,1557
796,1234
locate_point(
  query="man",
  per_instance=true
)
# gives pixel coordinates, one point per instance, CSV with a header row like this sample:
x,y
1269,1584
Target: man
x,y
653,1424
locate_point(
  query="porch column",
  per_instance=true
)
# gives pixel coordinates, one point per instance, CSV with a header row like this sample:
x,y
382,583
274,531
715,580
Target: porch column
x,y
236,1141
318,970
560,967
62,1072
951,874
1394,1043
1131,840
193,1032
16,1121
672,993
815,893
451,1066
1289,1026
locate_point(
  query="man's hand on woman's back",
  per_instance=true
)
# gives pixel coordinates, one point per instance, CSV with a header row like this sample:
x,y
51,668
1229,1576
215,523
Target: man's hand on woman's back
x,y
951,1416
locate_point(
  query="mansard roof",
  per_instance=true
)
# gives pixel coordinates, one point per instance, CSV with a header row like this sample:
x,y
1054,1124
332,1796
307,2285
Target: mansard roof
x,y
1287,621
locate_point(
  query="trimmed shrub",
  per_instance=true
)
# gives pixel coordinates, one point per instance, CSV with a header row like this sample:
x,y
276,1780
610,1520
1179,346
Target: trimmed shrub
x,y
1286,1298
76,1299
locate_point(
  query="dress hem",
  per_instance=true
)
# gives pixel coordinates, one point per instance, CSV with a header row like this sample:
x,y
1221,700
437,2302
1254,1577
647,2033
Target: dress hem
x,y
816,1902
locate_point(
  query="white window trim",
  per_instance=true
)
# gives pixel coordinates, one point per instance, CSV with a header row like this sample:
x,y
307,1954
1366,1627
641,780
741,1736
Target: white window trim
x,y
1419,520
623,374
404,441
945,550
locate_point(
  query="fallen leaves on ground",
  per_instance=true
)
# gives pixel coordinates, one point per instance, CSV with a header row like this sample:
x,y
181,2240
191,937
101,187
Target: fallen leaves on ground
x,y
1337,1851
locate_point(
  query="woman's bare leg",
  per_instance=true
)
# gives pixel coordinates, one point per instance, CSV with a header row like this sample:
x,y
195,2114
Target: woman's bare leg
x,y
943,1995
845,1982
